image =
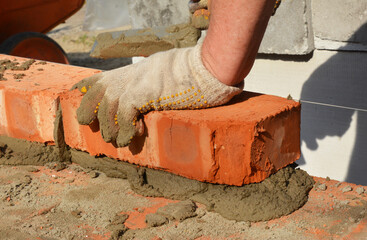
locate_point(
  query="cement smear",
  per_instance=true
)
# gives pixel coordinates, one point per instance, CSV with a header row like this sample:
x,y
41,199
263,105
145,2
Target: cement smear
x,y
7,64
112,168
279,195
22,152
15,151
61,146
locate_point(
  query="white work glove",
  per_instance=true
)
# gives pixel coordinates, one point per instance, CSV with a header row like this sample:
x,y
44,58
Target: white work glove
x,y
171,80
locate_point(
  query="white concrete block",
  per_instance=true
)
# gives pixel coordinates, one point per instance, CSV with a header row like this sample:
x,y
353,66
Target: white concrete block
x,y
154,13
340,20
289,30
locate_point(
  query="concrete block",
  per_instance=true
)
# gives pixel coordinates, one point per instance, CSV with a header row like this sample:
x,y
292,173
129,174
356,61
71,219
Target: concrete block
x,y
29,97
236,144
340,20
158,13
289,30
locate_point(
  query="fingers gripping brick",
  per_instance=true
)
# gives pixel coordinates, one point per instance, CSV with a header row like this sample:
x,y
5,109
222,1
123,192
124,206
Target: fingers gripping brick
x,y
172,80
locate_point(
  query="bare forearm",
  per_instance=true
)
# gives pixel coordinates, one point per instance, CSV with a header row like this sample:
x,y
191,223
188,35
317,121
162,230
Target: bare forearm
x,y
234,36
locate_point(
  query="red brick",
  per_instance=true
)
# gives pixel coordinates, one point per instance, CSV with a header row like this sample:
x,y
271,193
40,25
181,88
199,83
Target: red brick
x,y
237,144
28,107
240,143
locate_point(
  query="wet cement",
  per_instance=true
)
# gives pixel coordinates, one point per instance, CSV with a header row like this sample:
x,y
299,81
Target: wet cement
x,y
178,211
15,151
144,42
279,195
22,152
7,64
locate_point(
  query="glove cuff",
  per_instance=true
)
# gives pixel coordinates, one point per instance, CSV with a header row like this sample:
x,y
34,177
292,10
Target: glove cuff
x,y
217,93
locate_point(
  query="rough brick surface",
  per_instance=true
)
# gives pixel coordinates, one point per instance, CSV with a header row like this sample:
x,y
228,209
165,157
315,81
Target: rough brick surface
x,y
240,143
28,104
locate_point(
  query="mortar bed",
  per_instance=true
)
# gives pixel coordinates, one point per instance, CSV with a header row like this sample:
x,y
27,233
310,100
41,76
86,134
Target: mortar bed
x,y
279,195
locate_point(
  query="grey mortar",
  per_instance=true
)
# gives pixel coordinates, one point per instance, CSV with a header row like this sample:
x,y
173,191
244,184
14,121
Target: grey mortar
x,y
278,195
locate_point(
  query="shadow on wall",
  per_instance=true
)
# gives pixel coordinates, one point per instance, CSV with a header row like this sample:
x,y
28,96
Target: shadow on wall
x,y
339,87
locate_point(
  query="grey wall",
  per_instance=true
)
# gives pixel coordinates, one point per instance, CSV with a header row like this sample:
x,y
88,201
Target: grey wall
x,y
298,27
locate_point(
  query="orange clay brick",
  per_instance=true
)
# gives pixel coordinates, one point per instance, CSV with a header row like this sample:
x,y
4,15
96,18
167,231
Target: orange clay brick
x,y
236,144
29,98
243,142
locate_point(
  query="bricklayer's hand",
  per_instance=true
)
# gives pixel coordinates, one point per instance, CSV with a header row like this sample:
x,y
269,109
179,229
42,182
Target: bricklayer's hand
x,y
176,79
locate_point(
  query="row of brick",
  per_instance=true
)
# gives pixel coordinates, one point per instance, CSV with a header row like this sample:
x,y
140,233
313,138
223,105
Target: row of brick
x,y
243,142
